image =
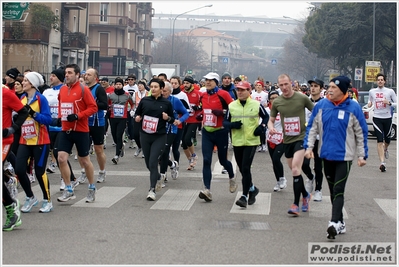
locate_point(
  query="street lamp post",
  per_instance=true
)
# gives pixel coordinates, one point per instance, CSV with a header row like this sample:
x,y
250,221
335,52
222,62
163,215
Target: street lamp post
x,y
189,34
173,29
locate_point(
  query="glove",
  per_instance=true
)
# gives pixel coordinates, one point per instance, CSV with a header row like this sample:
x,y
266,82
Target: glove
x,y
218,112
259,130
72,117
199,117
195,108
30,110
236,125
8,131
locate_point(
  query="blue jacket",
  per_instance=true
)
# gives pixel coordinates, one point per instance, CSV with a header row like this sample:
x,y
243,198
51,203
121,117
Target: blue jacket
x,y
342,129
178,108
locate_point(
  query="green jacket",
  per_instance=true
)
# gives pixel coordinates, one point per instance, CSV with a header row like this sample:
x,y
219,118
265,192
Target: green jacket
x,y
249,116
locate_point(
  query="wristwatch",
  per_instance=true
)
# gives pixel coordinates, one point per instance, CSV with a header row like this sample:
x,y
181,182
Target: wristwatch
x,y
389,103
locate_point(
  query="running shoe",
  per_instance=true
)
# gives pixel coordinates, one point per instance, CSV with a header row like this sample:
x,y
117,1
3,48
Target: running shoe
x,y
66,195
332,230
29,203
205,195
242,202
232,185
193,160
283,183
252,196
341,228
174,172
115,159
51,167
101,177
277,188
151,195
383,168
13,216
294,210
137,153
91,195
82,178
305,202
317,196
47,206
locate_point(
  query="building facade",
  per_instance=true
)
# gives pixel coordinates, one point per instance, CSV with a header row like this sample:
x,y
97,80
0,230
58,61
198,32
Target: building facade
x,y
115,38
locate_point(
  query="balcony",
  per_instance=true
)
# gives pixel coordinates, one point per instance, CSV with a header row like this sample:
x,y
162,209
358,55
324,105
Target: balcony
x,y
114,21
74,40
24,34
75,6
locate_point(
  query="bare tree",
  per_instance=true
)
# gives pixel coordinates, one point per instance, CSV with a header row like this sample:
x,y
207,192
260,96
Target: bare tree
x,y
188,53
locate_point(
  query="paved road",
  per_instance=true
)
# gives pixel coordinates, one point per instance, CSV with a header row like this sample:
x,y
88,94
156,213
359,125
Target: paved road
x,y
122,227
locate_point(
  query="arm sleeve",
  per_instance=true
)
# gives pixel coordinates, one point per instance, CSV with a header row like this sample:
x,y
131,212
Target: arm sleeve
x,y
263,114
101,98
44,116
181,110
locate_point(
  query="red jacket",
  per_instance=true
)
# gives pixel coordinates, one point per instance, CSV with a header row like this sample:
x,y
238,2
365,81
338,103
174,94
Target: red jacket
x,y
71,101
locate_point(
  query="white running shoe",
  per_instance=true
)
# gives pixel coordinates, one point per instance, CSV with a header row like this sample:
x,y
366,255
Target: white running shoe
x,y
317,196
283,183
277,188
174,172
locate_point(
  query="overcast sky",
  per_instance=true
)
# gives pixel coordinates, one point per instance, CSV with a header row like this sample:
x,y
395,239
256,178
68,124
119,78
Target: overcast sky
x,y
271,9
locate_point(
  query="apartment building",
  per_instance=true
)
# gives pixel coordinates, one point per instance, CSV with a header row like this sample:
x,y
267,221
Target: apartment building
x,y
115,38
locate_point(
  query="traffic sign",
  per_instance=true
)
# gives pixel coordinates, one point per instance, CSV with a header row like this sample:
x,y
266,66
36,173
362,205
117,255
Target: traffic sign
x,y
14,11
225,60
274,62
189,72
358,74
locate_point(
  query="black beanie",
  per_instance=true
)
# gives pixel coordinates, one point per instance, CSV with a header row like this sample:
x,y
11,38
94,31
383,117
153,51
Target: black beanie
x,y
13,73
189,79
342,82
60,73
118,80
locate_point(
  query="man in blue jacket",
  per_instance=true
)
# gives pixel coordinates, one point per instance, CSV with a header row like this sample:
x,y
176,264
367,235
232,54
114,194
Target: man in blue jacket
x,y
342,128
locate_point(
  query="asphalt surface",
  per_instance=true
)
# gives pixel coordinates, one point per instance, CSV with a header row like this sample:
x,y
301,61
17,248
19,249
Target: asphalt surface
x,y
123,228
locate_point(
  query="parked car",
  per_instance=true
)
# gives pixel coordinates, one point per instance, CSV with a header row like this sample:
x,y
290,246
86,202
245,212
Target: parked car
x,y
368,114
363,98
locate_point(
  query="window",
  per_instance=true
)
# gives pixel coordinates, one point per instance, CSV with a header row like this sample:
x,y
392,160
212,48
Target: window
x,y
74,24
104,12
104,43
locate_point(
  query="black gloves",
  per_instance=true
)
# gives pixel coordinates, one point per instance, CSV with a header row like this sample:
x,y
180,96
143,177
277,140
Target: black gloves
x,y
218,112
259,130
195,108
199,117
30,110
72,117
236,125
8,131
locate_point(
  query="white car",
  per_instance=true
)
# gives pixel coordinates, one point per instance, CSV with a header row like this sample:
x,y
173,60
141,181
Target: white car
x,y
368,114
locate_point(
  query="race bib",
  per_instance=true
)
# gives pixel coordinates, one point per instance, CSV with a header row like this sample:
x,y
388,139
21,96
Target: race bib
x,y
66,109
54,111
380,105
150,124
292,126
276,138
209,118
118,110
28,129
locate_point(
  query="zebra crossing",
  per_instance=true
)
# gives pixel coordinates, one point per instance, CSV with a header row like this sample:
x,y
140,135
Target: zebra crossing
x,y
184,199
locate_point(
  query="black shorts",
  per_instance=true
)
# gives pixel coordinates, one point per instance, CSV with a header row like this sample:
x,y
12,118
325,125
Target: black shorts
x,y
80,139
382,129
53,136
97,134
291,148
